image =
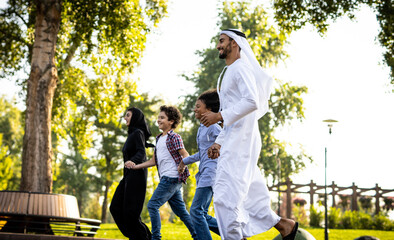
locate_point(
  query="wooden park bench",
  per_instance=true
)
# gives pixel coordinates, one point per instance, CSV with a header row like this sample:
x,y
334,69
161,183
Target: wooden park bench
x,y
43,213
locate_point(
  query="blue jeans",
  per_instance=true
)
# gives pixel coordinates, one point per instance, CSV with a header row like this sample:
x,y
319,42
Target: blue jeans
x,y
199,212
168,190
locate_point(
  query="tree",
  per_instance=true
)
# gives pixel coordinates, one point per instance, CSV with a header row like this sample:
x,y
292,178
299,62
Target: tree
x,y
74,178
6,170
285,102
293,15
11,130
106,36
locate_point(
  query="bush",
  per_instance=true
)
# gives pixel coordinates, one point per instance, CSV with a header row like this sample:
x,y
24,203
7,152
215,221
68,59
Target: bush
x,y
381,222
365,220
334,217
349,220
316,217
300,216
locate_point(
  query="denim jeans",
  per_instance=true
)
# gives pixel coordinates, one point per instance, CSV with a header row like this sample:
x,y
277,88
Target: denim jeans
x,y
169,189
199,212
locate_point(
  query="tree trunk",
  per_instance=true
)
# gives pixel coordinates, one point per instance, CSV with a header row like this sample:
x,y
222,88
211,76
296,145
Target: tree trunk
x,y
37,146
104,208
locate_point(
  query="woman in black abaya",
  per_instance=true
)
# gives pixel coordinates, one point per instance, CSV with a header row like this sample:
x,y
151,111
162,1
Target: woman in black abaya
x,y
128,200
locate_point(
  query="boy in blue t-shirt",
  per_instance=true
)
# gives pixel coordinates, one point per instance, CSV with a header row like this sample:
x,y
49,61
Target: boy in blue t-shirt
x,y
206,136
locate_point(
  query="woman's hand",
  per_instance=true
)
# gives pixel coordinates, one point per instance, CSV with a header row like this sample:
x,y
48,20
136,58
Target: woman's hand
x,y
129,164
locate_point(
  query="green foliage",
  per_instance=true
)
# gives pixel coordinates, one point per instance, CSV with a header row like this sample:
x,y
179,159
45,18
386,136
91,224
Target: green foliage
x,y
315,217
100,39
354,220
300,215
349,220
334,217
293,15
108,36
92,206
6,170
11,130
381,222
365,220
73,177
285,102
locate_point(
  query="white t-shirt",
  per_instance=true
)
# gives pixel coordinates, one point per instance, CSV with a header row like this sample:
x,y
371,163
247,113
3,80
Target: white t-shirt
x,y
167,165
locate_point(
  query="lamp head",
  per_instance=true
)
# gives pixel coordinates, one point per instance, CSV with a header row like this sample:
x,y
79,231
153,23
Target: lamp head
x,y
330,124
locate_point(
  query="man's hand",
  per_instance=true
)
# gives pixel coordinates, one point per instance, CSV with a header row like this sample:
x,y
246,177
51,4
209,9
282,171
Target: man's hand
x,y
181,167
210,118
214,151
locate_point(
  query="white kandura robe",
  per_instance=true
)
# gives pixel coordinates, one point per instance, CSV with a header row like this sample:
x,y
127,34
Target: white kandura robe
x,y
241,198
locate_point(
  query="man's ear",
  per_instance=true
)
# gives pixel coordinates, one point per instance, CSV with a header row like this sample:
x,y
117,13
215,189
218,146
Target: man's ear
x,y
234,44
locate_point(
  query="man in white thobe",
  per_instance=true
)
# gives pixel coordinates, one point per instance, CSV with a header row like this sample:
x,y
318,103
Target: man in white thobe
x,y
241,198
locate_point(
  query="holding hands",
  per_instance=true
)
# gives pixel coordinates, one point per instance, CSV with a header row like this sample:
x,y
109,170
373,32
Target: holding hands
x,y
214,151
129,164
181,167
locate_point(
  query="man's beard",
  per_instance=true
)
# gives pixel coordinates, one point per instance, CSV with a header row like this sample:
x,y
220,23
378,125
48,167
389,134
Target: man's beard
x,y
226,51
223,55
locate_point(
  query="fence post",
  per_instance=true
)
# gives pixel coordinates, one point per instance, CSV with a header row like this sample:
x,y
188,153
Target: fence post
x,y
377,199
288,198
333,193
312,192
354,198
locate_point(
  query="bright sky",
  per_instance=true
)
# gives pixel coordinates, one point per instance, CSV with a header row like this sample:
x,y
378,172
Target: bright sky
x,y
343,71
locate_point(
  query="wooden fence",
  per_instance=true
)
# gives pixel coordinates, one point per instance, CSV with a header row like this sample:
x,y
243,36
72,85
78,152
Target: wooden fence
x,y
313,189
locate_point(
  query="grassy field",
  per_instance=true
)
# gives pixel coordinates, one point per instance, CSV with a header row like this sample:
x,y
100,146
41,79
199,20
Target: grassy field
x,y
180,232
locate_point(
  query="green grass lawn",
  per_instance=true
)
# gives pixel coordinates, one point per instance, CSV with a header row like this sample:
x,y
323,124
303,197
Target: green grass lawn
x,y
180,232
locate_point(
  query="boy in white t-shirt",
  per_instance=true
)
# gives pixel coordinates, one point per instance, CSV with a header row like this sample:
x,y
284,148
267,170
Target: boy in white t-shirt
x,y
169,152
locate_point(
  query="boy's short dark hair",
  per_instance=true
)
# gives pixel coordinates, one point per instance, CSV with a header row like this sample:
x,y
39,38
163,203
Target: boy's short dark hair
x,y
210,99
173,114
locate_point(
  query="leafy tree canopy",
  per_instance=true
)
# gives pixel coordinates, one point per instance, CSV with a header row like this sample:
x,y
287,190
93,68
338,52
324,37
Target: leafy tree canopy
x,y
11,136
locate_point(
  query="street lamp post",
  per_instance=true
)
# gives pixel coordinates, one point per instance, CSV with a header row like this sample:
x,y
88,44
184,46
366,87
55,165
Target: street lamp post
x,y
279,173
330,125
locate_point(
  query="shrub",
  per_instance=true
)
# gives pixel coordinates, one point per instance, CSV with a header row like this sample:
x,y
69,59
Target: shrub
x,y
381,222
349,220
300,216
334,217
365,220
315,217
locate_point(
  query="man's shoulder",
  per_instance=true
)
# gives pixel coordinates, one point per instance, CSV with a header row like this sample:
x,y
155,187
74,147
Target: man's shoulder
x,y
240,66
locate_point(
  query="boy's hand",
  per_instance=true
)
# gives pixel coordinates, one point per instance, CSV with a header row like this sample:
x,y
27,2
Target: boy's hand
x,y
214,151
210,118
181,167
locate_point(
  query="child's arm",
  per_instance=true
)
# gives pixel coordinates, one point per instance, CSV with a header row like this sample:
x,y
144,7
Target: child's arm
x,y
184,154
150,163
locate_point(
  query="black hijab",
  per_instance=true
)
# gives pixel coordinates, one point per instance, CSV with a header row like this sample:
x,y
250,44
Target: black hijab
x,y
138,121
